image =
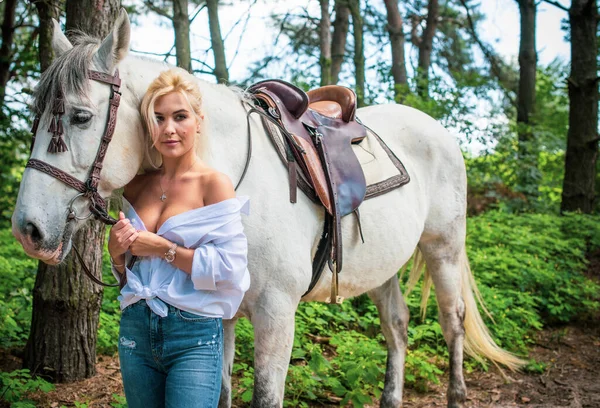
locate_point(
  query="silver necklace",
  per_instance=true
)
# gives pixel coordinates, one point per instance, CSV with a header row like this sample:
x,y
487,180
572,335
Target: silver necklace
x,y
163,197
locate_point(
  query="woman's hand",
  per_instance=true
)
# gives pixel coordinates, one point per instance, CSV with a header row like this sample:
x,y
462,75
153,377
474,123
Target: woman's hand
x,y
122,235
149,244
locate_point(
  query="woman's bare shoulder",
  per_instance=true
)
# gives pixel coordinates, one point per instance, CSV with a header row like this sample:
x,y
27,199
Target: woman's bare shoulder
x,y
217,187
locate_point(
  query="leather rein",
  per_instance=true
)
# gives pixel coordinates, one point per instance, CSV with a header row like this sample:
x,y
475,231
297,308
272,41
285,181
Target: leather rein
x,y
89,188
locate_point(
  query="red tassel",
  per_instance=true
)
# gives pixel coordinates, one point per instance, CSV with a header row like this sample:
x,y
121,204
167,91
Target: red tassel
x,y
59,128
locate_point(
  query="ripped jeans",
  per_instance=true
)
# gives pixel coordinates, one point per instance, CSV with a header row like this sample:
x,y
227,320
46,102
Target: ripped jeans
x,y
173,361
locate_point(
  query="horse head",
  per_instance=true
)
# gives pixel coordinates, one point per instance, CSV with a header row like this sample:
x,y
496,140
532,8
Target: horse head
x,y
72,102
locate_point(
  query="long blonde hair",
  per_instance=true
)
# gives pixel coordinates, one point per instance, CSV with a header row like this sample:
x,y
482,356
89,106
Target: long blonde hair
x,y
173,80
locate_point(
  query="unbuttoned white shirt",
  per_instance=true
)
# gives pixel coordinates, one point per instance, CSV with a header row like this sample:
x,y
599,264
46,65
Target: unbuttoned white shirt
x,y
219,275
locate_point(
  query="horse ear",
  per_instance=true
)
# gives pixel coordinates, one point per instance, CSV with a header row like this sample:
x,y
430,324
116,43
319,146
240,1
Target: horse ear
x,y
115,46
60,42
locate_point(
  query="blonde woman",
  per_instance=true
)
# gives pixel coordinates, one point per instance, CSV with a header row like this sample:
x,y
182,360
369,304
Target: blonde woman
x,y
183,222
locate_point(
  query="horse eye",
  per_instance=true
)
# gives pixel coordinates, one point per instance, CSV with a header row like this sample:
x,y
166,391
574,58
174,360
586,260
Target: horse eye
x,y
81,118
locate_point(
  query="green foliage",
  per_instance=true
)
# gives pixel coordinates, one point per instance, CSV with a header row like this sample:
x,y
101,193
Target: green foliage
x,y
17,384
118,401
17,277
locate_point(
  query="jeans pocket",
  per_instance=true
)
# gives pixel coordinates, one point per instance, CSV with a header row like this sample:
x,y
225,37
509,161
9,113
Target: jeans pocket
x,y
192,317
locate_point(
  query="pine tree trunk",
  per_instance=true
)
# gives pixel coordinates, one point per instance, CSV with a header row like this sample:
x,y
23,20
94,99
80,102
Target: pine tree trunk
x,y
218,48
93,17
425,47
582,137
359,52
395,29
338,40
181,25
47,10
66,303
10,7
325,43
528,179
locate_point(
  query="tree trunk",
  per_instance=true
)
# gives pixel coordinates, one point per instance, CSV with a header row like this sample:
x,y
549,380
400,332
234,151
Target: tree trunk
x,y
66,303
425,47
181,25
325,43
6,50
47,10
527,176
338,40
396,32
93,17
217,41
582,137
359,52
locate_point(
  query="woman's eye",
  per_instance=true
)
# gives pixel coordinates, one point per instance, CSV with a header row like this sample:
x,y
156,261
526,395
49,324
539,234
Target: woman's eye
x,y
181,117
159,119
81,118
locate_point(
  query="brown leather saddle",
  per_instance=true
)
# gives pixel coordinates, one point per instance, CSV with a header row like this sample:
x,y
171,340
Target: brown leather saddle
x,y
317,130
321,128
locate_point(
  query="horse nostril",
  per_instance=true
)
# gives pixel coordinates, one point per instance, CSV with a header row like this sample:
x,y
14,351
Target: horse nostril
x,y
33,232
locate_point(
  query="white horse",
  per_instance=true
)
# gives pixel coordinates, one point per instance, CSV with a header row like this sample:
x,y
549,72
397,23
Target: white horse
x,y
427,215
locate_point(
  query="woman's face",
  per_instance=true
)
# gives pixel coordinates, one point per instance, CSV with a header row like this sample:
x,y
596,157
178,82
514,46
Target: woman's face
x,y
177,125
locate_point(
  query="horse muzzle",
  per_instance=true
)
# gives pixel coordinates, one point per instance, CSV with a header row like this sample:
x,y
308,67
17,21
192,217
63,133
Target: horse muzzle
x,y
38,244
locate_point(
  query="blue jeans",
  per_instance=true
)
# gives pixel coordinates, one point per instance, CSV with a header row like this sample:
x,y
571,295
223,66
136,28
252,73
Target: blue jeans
x,y
173,361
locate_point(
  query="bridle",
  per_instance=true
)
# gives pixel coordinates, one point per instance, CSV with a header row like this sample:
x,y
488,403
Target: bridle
x,y
89,188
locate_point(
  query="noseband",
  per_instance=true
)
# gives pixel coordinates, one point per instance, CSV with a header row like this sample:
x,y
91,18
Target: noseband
x,y
89,188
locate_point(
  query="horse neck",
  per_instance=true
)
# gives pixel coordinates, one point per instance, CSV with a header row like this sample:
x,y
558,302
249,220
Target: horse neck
x,y
223,110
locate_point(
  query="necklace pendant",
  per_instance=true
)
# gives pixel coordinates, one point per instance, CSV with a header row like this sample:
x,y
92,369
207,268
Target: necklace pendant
x,y
163,197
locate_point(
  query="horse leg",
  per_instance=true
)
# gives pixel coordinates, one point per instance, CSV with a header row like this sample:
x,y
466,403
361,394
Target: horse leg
x,y
273,320
444,263
228,354
393,314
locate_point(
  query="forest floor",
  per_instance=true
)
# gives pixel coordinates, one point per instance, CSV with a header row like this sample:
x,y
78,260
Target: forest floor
x,y
571,378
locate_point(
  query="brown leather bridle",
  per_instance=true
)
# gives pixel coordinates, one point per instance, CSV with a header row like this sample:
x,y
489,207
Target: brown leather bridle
x,y
89,188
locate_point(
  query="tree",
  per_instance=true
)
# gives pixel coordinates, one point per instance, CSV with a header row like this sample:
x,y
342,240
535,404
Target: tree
x,y
47,10
359,52
178,15
582,137
6,50
396,32
66,303
218,48
528,177
425,45
325,43
338,39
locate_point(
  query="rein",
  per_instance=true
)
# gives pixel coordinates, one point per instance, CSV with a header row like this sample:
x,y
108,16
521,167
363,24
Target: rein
x,y
89,188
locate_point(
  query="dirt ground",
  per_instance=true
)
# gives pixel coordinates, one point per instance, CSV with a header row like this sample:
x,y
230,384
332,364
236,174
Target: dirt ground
x,y
571,379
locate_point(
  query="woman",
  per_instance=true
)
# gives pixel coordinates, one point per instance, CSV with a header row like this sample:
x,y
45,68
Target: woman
x,y
183,223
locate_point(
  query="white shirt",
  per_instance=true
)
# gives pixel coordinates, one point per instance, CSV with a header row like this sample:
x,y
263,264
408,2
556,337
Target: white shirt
x,y
219,275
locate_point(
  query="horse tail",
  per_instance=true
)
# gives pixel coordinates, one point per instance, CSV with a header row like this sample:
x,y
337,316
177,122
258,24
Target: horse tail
x,y
478,340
